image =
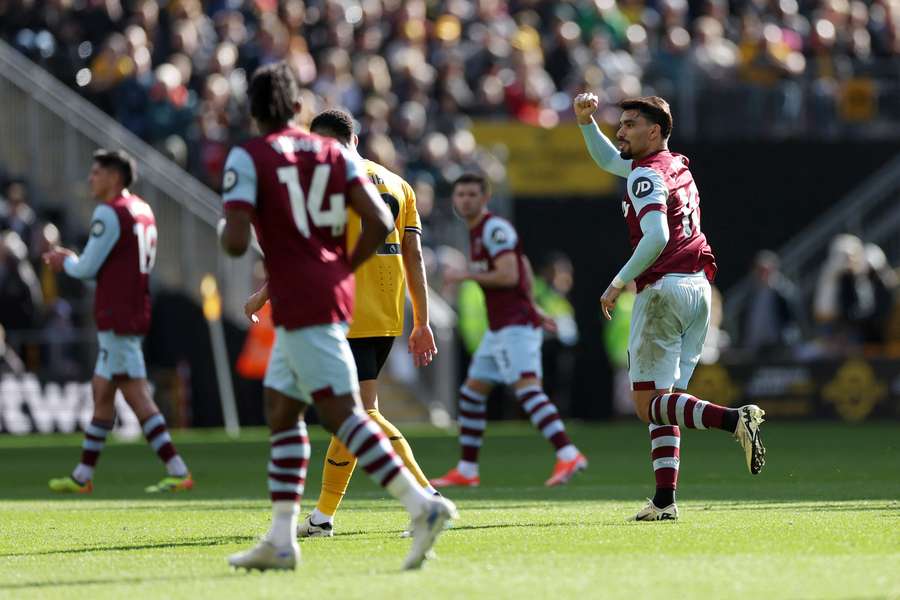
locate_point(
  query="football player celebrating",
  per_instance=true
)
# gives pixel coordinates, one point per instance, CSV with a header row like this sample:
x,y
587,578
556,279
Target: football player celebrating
x,y
672,265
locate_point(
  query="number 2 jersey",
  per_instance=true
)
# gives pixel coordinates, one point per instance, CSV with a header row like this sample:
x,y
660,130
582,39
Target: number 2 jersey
x,y
663,182
294,185
380,281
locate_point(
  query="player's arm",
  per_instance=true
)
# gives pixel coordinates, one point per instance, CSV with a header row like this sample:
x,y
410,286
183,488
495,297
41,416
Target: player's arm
x,y
376,218
256,301
601,149
649,201
649,196
504,275
547,322
421,339
239,197
104,235
500,241
416,280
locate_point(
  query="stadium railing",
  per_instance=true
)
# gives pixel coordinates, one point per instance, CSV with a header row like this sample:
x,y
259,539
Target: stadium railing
x,y
870,211
49,133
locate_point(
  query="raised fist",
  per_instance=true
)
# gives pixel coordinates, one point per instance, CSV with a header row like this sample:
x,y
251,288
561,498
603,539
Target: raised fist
x,y
585,105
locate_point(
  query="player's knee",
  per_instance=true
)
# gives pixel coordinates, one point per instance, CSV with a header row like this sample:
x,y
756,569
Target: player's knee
x,y
335,410
642,408
476,385
282,412
527,381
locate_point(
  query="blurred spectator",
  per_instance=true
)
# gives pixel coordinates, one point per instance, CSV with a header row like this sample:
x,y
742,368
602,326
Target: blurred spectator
x,y
717,339
551,288
845,256
17,215
883,281
615,340
770,321
855,294
10,363
832,62
21,300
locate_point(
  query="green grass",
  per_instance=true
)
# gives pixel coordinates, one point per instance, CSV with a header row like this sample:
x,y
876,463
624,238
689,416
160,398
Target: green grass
x,y
822,521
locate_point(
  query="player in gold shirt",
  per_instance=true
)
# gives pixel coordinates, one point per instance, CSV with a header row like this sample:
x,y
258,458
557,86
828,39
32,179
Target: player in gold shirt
x,y
381,284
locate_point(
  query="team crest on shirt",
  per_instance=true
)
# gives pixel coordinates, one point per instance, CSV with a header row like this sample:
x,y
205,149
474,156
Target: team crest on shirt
x,y
498,236
642,187
229,180
97,228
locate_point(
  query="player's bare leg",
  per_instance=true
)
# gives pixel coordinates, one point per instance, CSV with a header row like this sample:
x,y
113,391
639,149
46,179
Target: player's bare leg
x,y
342,415
288,461
340,464
102,421
543,415
137,395
472,423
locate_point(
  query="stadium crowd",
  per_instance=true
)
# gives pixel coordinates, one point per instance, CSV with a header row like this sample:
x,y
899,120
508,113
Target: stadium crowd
x,y
415,74
175,71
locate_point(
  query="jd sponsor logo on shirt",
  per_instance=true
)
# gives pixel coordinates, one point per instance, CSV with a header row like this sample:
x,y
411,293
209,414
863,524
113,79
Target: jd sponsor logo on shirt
x,y
641,187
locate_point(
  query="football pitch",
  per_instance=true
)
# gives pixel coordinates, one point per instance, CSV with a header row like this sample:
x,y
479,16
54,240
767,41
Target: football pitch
x,y
821,521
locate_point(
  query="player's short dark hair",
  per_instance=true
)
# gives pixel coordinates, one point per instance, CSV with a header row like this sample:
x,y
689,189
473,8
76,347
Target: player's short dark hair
x,y
333,123
273,92
654,109
120,161
478,178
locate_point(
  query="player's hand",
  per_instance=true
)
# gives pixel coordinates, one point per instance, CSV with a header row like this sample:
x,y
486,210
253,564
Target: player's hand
x,y
56,257
421,345
452,275
253,305
548,323
585,105
608,300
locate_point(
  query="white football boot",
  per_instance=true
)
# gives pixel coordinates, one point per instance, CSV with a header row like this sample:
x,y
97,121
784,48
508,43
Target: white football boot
x,y
651,512
426,528
308,529
264,556
750,417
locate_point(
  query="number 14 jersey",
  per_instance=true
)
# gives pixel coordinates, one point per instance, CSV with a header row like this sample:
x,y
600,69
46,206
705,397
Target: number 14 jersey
x,y
294,184
663,182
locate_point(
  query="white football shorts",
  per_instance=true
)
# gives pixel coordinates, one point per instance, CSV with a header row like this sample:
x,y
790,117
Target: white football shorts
x,y
668,328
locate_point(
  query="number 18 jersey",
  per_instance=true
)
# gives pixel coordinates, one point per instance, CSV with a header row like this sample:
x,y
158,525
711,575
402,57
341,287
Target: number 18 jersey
x,y
663,182
294,184
122,299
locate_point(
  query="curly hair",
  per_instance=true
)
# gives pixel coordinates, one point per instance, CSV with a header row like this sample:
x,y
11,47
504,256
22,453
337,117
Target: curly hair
x,y
273,93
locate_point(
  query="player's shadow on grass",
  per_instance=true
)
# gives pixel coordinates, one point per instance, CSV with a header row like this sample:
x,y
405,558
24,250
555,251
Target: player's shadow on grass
x,y
208,541
348,536
131,580
847,506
